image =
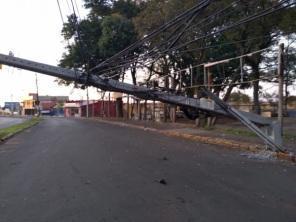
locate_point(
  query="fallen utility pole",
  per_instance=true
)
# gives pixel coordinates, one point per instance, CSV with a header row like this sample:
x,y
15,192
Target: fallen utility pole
x,y
281,86
236,114
270,129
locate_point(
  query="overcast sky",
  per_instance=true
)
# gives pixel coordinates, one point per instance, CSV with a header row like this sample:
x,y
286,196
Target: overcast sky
x,y
31,29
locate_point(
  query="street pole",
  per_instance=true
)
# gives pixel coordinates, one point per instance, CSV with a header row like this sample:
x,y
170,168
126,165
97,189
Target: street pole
x,y
87,103
109,101
191,75
93,108
127,107
210,79
37,96
11,105
205,77
281,85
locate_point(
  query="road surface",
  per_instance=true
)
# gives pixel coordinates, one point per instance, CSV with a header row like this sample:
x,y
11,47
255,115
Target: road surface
x,y
84,171
9,121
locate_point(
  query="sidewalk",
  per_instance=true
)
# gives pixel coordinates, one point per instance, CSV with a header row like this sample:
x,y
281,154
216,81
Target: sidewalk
x,y
231,135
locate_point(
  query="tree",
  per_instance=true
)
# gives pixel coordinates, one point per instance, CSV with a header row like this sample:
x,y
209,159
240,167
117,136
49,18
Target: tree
x,y
239,97
259,34
107,30
117,33
99,8
113,25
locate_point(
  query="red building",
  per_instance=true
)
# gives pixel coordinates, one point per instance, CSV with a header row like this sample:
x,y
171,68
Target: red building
x,y
99,109
95,109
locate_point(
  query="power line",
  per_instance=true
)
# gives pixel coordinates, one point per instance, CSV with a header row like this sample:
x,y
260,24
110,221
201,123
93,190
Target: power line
x,y
75,2
209,65
69,7
219,45
213,16
248,19
226,84
164,27
242,21
197,49
170,24
60,10
256,16
214,63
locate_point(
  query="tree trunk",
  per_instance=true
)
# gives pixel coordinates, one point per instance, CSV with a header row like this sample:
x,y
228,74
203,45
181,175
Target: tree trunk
x,y
134,72
256,88
165,107
145,110
119,108
228,93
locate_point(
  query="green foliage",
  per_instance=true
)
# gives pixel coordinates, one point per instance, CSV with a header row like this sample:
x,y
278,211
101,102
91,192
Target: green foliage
x,y
239,97
99,7
107,30
288,136
238,132
126,8
291,99
259,34
117,33
112,25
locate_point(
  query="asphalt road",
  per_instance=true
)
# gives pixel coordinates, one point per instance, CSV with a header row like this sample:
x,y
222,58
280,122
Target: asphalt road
x,y
84,171
8,121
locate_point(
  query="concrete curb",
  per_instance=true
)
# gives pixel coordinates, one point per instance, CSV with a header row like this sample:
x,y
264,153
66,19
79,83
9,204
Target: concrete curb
x,y
227,143
217,141
286,156
8,136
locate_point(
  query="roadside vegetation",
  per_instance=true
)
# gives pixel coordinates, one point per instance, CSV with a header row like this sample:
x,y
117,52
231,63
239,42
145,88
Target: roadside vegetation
x,y
113,25
290,137
7,132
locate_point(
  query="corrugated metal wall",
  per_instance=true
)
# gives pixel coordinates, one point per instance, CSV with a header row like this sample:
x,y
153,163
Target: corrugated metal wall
x,y
100,109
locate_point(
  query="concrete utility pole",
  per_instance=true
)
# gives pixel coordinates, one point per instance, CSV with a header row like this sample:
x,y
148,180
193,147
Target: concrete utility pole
x,y
191,75
205,77
37,95
127,107
87,103
281,85
109,101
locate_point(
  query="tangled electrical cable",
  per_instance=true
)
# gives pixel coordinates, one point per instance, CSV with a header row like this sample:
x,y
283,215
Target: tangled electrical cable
x,y
125,64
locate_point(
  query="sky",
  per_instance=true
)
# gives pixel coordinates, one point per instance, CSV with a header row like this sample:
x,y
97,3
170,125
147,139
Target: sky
x,y
31,29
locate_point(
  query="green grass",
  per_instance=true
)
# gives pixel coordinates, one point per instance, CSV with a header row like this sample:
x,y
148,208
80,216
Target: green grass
x,y
18,128
290,137
238,132
247,133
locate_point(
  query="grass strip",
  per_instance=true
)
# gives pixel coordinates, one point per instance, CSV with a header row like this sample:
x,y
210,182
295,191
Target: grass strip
x,y
9,131
246,133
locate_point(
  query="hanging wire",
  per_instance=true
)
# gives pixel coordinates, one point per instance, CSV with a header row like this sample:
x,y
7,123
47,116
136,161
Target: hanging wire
x,y
61,13
77,9
242,21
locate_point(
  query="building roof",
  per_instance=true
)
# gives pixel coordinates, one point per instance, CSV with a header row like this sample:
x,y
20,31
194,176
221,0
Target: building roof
x,y
71,105
54,98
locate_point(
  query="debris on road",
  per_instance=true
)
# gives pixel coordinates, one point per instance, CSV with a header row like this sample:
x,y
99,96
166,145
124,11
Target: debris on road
x,y
163,182
262,155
